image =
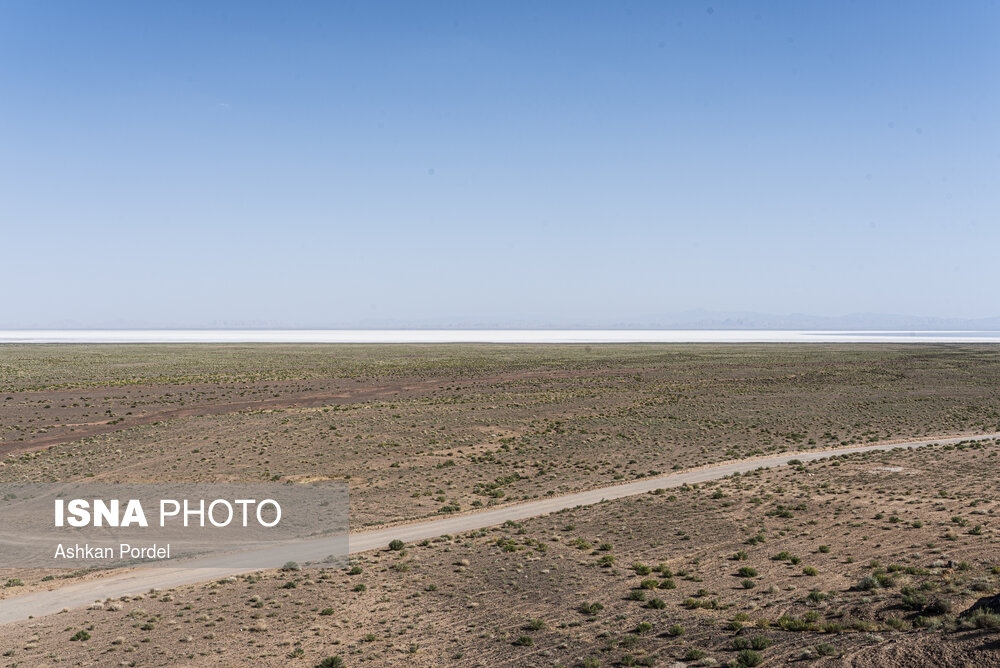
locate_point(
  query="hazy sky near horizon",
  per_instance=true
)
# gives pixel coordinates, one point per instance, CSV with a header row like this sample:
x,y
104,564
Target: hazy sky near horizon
x,y
436,163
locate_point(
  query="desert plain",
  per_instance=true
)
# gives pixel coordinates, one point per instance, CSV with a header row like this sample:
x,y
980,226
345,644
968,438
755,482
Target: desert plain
x,y
882,558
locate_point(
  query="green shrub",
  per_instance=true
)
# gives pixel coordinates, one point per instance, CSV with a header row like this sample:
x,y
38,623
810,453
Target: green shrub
x,y
748,572
912,599
789,623
396,545
331,662
825,649
816,596
939,606
984,620
749,658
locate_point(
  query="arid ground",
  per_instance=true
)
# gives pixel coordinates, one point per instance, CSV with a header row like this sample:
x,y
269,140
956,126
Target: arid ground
x,y
860,560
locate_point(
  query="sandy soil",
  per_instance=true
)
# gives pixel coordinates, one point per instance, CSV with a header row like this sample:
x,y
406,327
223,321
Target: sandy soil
x,y
471,598
432,432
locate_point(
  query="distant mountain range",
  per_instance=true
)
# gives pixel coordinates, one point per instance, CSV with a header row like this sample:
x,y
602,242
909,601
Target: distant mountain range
x,y
701,319
688,320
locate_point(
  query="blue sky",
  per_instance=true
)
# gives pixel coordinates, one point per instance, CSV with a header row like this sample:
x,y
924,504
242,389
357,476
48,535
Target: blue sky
x,y
431,164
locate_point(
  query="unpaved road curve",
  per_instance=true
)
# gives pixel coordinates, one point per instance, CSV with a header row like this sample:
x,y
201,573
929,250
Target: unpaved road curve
x,y
139,581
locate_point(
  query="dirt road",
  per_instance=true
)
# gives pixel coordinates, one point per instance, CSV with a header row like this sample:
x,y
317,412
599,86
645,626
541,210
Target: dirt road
x,y
138,581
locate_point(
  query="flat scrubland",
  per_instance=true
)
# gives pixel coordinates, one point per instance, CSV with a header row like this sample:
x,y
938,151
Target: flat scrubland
x,y
860,560
421,430
865,560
